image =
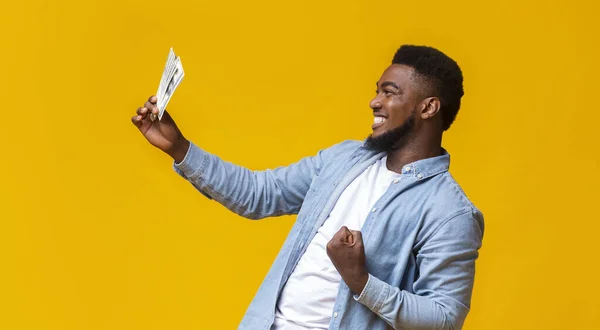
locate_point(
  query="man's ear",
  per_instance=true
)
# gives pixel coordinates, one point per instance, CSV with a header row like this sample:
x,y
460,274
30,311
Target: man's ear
x,y
430,107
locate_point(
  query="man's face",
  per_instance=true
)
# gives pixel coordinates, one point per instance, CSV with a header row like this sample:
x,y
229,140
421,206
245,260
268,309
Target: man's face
x,y
394,108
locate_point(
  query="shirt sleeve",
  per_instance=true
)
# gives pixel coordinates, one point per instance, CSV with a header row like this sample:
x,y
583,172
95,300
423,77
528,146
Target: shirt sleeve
x,y
251,194
442,292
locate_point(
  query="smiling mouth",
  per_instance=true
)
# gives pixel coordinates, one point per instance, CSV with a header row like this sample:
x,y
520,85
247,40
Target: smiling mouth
x,y
378,121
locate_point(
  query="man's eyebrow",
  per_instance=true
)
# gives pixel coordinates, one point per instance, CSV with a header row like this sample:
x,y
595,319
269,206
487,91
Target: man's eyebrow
x,y
389,83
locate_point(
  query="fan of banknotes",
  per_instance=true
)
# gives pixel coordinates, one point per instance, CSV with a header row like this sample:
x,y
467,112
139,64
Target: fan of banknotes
x,y
171,78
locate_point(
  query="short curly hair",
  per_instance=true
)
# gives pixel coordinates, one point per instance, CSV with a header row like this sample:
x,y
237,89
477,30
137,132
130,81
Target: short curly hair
x,y
440,75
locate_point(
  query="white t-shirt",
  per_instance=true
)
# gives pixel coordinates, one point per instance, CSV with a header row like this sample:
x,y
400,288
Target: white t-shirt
x,y
307,300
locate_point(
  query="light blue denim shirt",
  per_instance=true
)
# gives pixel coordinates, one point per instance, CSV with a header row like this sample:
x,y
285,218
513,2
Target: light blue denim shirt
x,y
421,238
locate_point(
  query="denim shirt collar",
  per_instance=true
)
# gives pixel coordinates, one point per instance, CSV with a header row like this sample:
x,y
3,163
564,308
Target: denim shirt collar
x,y
424,168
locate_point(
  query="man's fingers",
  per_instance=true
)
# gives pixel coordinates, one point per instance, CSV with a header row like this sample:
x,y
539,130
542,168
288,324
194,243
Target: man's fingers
x,y
142,111
344,235
349,236
137,121
150,106
341,234
357,236
347,231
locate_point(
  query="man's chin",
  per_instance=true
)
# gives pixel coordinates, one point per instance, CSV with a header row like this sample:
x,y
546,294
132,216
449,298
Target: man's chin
x,y
374,135
376,143
393,138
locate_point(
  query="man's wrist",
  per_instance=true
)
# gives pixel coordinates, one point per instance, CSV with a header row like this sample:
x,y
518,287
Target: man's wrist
x,y
179,150
358,281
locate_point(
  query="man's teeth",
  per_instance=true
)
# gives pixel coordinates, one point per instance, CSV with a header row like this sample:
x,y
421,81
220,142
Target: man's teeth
x,y
379,120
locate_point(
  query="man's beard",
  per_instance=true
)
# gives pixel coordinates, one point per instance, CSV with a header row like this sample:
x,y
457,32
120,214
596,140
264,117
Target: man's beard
x,y
393,139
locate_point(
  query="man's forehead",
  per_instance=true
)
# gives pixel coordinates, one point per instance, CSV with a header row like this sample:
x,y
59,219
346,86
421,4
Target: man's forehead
x,y
397,73
399,76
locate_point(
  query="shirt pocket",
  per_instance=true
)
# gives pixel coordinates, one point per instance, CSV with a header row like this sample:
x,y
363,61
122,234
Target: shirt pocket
x,y
319,184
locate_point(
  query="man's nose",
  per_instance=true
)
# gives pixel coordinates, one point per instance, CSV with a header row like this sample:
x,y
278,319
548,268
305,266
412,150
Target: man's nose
x,y
375,103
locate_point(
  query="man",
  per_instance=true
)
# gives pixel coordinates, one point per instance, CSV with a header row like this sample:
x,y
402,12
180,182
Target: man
x,y
384,237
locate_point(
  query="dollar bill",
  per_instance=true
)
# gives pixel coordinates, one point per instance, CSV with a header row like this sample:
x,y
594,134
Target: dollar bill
x,y
172,83
171,78
168,65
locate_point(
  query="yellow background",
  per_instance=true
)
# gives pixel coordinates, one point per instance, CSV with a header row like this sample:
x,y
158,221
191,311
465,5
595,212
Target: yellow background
x,y
98,232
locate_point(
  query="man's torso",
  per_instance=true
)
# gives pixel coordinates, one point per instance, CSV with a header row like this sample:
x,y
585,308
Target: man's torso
x,y
308,297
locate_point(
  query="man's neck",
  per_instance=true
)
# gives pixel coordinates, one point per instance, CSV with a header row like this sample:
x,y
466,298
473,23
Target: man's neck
x,y
411,152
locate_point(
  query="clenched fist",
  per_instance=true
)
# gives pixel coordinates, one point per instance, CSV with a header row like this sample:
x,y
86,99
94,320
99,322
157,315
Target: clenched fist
x,y
347,254
162,134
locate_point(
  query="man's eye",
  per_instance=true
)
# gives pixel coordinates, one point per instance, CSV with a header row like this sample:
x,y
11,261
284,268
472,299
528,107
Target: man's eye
x,y
388,92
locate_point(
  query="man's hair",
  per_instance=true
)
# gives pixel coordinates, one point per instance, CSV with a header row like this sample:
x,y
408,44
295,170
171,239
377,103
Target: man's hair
x,y
438,74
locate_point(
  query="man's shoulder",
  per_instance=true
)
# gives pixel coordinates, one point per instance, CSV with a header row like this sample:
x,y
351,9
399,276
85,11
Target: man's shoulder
x,y
451,197
441,202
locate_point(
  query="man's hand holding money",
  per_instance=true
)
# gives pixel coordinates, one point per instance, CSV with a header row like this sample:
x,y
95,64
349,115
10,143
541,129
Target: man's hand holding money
x,y
163,133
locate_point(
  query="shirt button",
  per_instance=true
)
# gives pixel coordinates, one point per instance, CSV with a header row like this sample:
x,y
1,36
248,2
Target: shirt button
x,y
420,176
407,169
335,314
374,210
396,180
